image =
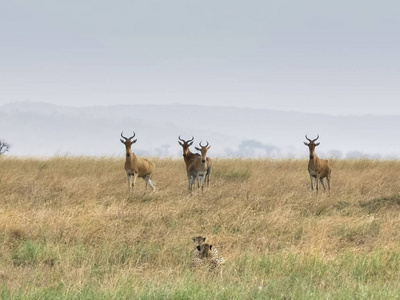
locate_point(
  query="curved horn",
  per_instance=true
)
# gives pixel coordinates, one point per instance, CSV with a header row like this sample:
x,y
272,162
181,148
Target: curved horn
x,y
316,138
308,138
123,136
188,141
132,135
202,145
128,138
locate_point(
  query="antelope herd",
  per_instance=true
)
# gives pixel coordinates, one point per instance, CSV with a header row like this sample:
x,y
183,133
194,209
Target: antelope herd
x,y
198,165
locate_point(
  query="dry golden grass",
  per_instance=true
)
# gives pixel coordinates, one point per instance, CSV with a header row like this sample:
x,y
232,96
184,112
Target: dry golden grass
x,y
67,224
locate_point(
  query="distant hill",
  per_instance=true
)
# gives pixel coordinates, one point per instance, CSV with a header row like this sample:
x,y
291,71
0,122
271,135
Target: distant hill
x,y
39,129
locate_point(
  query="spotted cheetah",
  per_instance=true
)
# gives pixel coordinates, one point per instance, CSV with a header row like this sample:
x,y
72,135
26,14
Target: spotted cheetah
x,y
197,261
205,254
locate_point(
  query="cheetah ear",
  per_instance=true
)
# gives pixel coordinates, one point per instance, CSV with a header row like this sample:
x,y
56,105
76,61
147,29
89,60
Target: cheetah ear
x,y
193,239
204,239
210,247
198,248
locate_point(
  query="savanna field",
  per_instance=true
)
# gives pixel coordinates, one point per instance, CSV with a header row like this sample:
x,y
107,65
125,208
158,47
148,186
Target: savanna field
x,y
70,229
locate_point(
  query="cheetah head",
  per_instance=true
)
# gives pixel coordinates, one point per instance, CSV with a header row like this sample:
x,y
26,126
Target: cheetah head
x,y
198,240
204,250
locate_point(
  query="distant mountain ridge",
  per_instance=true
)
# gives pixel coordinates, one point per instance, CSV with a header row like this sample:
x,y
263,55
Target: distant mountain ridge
x,y
39,129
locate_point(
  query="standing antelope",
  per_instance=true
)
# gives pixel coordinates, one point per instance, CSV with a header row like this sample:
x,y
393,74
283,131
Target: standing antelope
x,y
188,157
198,167
135,166
318,168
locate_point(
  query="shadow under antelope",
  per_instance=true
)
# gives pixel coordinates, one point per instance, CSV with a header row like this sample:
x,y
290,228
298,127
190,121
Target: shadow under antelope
x,y
318,168
136,167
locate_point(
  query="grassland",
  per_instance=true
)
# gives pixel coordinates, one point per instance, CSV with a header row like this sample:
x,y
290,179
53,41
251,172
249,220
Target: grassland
x,y
69,229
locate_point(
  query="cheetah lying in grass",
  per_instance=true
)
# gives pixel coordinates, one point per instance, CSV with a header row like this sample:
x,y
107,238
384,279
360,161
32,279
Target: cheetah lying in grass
x,y
206,254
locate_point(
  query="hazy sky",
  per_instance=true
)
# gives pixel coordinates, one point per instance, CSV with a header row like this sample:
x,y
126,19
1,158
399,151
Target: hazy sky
x,y
336,57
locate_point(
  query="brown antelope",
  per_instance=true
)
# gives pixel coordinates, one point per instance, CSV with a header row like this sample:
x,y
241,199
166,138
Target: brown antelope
x,y
318,168
136,167
188,157
198,167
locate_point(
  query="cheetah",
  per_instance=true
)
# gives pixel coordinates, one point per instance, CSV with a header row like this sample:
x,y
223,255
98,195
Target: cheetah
x,y
207,255
197,260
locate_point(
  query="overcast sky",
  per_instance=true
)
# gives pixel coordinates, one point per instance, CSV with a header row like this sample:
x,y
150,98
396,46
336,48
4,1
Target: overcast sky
x,y
335,57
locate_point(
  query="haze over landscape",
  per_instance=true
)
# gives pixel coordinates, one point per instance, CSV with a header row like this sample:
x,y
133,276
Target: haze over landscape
x,y
38,129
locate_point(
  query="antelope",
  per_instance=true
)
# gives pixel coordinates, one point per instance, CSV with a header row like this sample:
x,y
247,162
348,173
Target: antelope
x,y
136,167
198,167
188,157
318,168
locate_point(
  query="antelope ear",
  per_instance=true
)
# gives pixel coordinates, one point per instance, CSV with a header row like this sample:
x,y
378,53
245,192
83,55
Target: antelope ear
x,y
208,147
122,141
180,144
306,144
316,144
190,144
198,149
134,141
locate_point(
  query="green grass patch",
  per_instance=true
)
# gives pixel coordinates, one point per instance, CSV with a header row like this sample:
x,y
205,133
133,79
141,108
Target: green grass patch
x,y
281,276
31,252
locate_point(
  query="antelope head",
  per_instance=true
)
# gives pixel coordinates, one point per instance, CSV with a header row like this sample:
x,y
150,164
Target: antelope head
x,y
128,143
311,145
203,151
185,145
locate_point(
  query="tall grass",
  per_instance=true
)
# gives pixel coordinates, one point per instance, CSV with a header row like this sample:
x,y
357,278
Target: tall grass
x,y
69,229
